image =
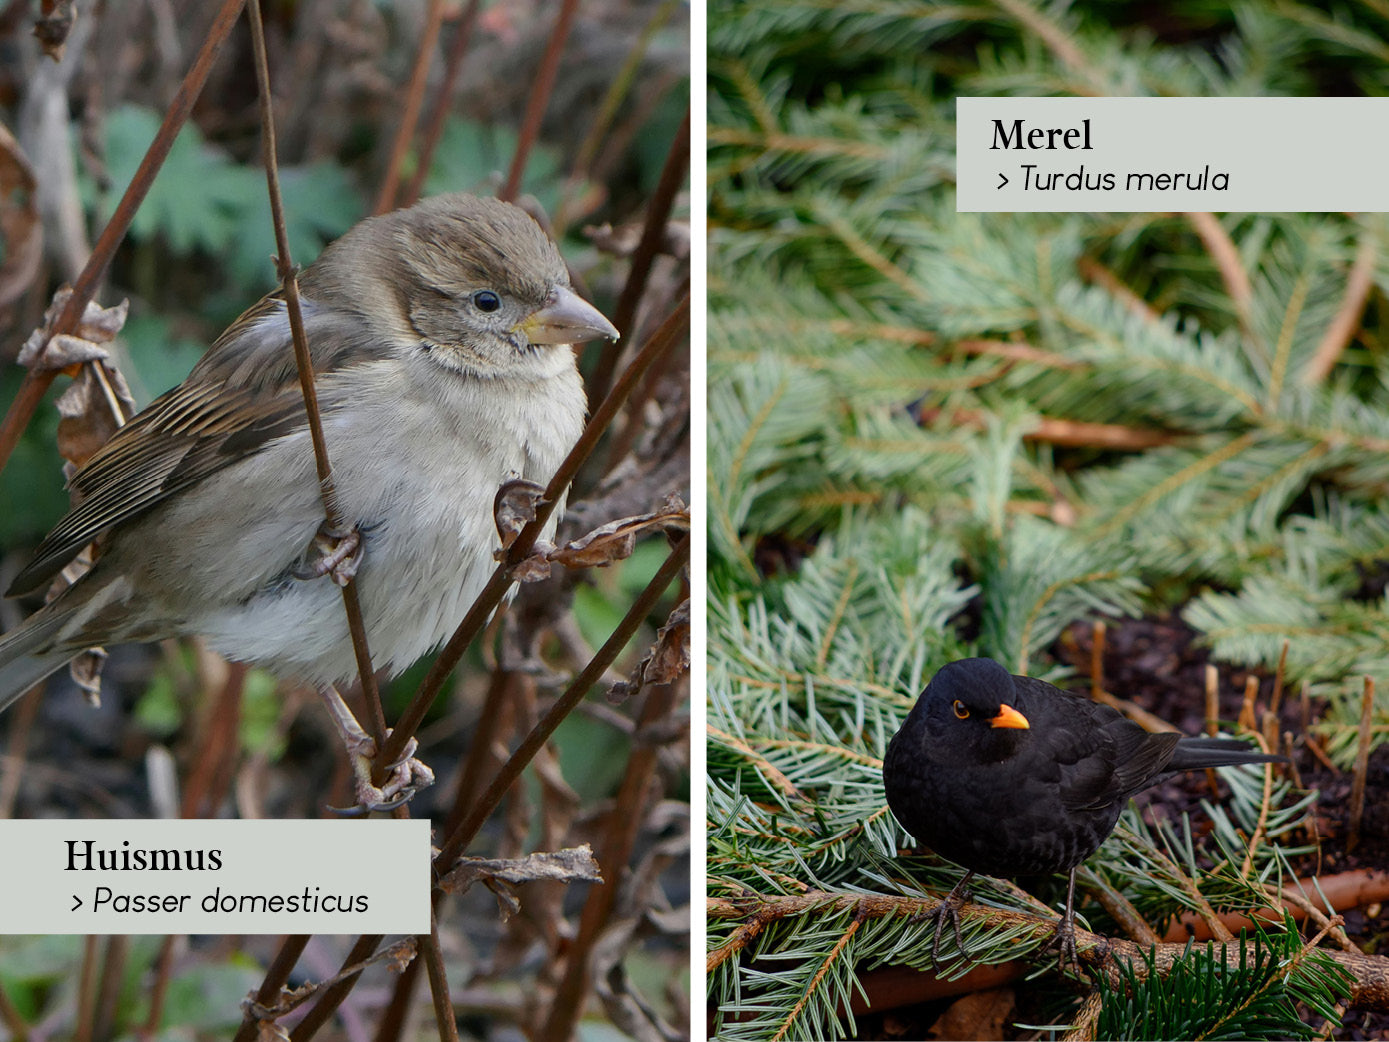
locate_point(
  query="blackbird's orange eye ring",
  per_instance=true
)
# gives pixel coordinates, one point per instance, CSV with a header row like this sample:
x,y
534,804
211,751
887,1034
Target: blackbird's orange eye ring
x,y
960,709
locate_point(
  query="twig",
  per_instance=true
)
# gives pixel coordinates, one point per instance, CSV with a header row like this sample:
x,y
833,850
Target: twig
x,y
304,361
434,128
410,115
37,380
438,983
661,341
1276,699
673,175
614,853
539,99
619,88
109,991
1225,254
562,706
1093,271
12,769
159,990
1097,658
1342,327
9,1016
357,959
1370,973
1246,721
86,991
275,978
1362,761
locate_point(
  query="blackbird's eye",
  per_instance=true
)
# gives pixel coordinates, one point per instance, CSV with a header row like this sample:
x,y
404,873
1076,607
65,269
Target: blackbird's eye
x,y
486,300
960,709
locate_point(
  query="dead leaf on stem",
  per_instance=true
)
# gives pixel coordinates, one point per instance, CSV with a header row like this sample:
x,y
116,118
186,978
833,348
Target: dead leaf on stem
x,y
665,661
54,25
615,540
570,864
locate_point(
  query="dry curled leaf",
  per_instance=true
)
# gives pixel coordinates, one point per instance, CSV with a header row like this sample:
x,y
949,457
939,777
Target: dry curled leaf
x,y
93,407
45,351
665,661
514,508
20,227
270,1031
570,864
402,954
54,25
615,540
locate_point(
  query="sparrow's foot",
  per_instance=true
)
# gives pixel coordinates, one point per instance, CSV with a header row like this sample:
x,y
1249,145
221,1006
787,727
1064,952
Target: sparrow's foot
x,y
515,506
404,778
333,553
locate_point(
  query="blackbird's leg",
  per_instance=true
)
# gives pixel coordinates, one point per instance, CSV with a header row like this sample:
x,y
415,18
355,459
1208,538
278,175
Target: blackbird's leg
x,y
949,910
1065,939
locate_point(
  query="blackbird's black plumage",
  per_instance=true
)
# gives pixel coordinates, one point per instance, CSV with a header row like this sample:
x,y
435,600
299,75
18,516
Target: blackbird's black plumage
x,y
1010,776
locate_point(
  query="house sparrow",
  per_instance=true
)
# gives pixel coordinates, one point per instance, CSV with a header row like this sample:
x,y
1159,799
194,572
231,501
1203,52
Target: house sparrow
x,y
440,337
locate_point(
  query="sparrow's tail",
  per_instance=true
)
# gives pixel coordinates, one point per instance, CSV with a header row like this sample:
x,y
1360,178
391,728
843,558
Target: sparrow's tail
x,y
1193,754
22,664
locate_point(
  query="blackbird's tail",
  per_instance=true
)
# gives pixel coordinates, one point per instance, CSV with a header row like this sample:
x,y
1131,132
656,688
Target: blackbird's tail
x,y
1193,754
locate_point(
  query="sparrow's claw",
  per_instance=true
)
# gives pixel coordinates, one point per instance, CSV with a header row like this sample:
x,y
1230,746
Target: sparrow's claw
x,y
514,507
404,778
335,554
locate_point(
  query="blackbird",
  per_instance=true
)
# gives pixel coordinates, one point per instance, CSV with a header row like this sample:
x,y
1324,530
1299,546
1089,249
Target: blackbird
x,y
1010,776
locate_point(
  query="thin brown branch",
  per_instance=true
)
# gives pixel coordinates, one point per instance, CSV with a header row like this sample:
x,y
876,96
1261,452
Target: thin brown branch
x,y
37,380
1226,256
1072,433
414,100
597,132
539,99
109,990
614,853
12,770
276,975
304,361
671,330
357,959
434,127
1362,760
438,983
1347,318
1370,973
578,687
159,990
1093,271
9,1016
673,175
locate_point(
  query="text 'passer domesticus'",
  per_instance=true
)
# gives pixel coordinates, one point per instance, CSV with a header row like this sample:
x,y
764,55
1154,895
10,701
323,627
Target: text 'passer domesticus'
x,y
440,337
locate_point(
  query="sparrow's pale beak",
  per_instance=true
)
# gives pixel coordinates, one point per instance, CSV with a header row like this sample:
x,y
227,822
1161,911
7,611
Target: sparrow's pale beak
x,y
1009,717
566,318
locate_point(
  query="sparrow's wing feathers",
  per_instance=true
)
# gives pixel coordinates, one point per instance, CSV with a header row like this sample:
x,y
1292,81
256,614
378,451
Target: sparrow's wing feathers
x,y
241,395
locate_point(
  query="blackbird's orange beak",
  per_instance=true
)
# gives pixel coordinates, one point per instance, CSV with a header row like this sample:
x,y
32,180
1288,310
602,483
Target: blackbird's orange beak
x,y
1009,717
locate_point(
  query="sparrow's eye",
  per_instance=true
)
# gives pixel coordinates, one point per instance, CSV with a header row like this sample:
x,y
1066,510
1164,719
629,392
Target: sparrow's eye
x,y
960,709
486,300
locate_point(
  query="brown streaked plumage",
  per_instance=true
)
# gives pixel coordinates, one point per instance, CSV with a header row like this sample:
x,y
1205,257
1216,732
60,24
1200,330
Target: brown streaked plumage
x,y
439,336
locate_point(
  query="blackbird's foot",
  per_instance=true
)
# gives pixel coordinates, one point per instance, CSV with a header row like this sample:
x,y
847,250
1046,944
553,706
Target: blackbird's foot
x,y
949,911
1064,940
